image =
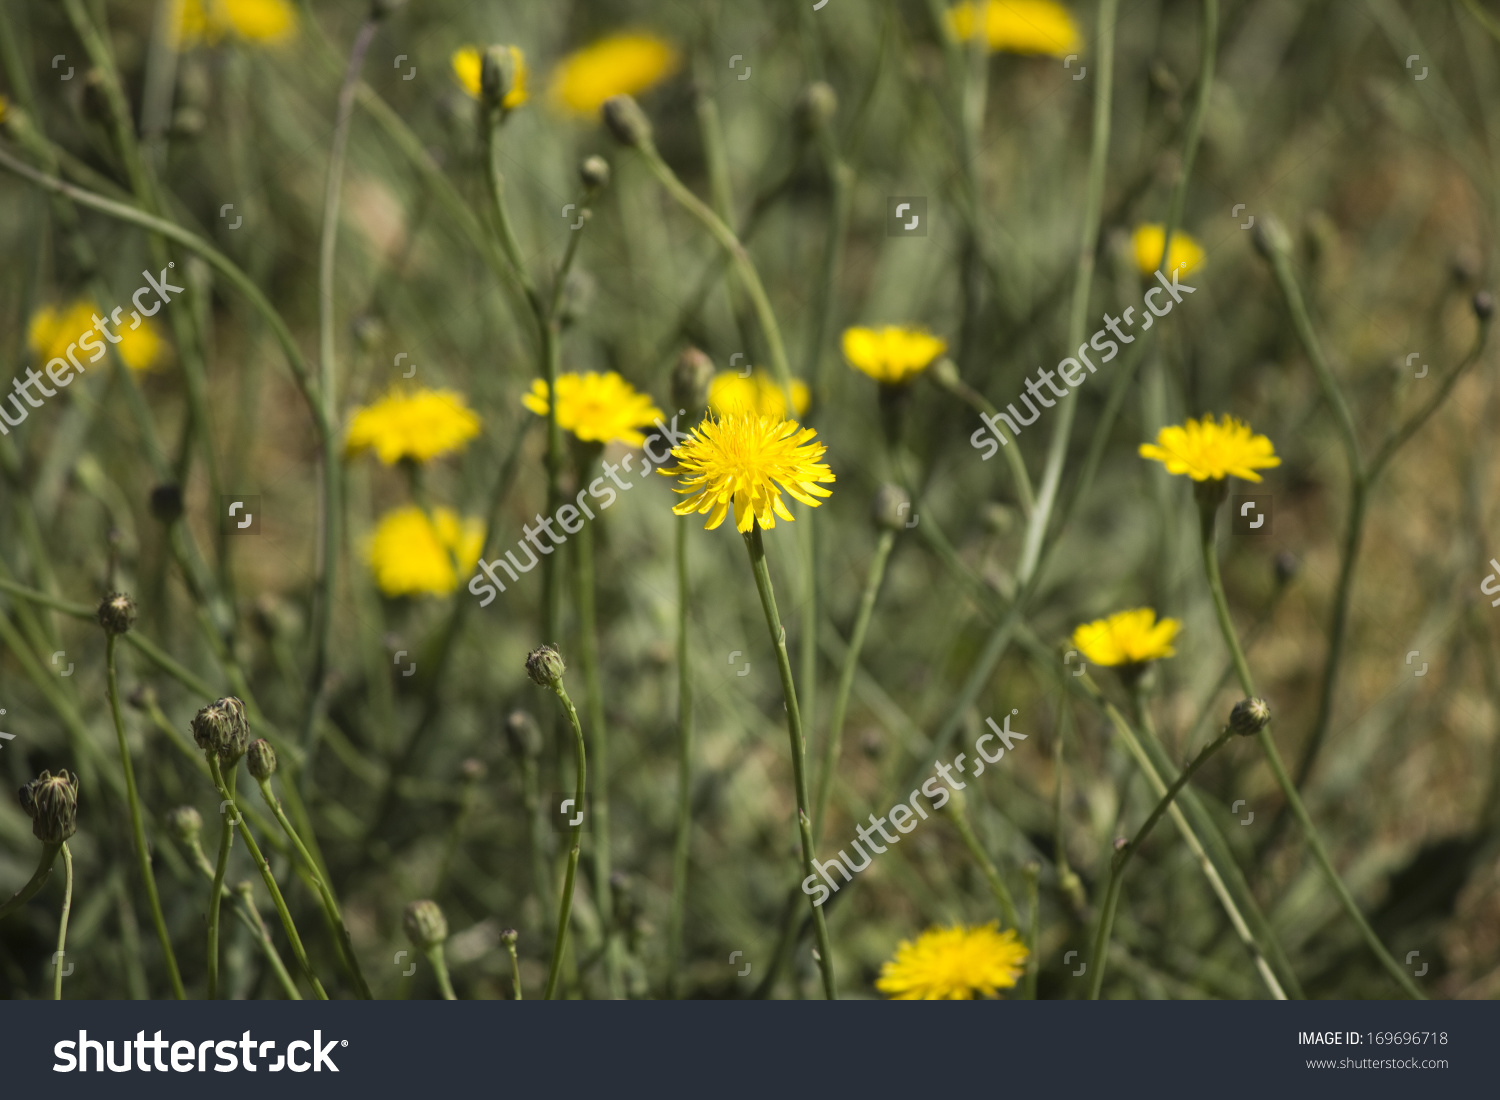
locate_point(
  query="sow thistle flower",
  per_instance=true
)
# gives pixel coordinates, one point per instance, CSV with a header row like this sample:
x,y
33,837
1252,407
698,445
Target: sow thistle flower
x,y
731,395
597,408
1127,638
1017,26
1185,256
891,355
419,425
53,328
747,461
622,64
468,66
1208,451
264,21
413,553
954,964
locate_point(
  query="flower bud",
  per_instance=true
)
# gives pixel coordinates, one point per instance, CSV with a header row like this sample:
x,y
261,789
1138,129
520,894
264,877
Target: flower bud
x,y
1249,716
261,759
1484,304
626,121
524,735
142,698
51,801
425,924
816,107
498,70
692,378
891,508
945,373
545,667
1270,237
1286,566
116,613
166,502
222,728
509,937
473,771
184,823
594,173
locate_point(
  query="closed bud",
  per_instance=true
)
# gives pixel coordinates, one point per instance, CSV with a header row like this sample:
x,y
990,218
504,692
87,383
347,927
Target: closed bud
x,y
184,823
1484,305
142,698
222,728
891,508
545,667
524,735
425,924
261,759
497,74
594,173
509,937
816,107
692,378
116,613
166,502
945,373
1286,566
1249,716
626,121
51,801
1270,237
473,771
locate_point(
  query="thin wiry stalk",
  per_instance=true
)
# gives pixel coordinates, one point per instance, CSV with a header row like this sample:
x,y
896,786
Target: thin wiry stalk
x,y
565,906
226,838
62,924
959,813
33,884
682,842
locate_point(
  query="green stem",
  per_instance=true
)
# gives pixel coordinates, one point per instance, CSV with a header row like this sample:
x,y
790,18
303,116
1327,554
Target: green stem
x,y
138,828
440,970
249,916
1032,871
33,884
62,924
756,547
226,838
565,906
960,815
682,843
515,970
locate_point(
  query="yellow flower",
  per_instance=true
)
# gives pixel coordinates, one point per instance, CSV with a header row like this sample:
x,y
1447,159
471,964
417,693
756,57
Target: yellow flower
x,y
597,408
53,328
954,964
731,395
1127,638
1204,450
747,461
1185,256
892,354
267,21
420,425
414,554
622,64
139,348
1019,26
468,63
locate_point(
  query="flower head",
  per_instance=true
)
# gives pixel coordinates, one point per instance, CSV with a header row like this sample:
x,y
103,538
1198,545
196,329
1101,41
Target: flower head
x,y
893,354
731,395
747,461
415,554
266,21
223,729
597,408
420,425
1207,451
51,801
425,924
622,64
468,65
954,964
54,328
1018,26
1127,638
1185,256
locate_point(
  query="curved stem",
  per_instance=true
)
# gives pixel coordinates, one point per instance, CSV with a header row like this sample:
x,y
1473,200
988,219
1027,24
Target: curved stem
x,y
62,924
137,826
960,814
682,843
565,907
756,547
33,884
249,916
226,838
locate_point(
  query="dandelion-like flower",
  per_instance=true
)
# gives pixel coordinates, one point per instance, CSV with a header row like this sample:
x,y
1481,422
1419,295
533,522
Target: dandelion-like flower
x,y
747,461
1207,451
1127,638
954,964
264,21
416,554
53,328
419,425
597,408
731,395
1185,256
468,65
622,64
891,355
1018,26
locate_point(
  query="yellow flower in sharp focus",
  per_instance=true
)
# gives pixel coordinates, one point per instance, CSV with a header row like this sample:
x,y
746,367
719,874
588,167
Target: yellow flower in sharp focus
x,y
746,461
892,354
1185,256
1204,450
420,425
265,21
1127,638
468,64
414,554
622,64
1019,26
597,408
954,964
731,395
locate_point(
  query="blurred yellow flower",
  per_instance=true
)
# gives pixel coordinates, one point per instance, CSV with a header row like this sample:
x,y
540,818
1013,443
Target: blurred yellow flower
x,y
54,328
1147,241
747,461
1019,26
419,425
622,64
139,348
414,554
468,63
267,21
954,964
730,395
893,354
597,408
1204,450
1127,638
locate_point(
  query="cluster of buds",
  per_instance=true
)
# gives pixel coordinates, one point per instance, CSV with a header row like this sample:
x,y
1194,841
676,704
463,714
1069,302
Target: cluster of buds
x,y
51,801
221,728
